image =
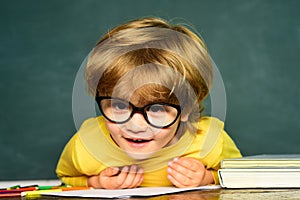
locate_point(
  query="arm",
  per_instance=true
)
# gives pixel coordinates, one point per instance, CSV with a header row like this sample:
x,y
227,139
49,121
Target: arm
x,y
76,167
68,169
196,172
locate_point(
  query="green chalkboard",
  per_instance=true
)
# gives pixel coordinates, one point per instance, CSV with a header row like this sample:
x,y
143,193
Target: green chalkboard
x,y
255,45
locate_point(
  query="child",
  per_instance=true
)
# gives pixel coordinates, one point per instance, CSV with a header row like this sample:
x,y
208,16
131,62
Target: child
x,y
148,78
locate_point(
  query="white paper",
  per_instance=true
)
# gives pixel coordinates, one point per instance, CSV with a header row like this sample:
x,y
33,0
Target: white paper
x,y
124,193
24,183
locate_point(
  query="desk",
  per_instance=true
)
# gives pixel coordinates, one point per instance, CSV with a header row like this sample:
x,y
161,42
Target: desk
x,y
220,194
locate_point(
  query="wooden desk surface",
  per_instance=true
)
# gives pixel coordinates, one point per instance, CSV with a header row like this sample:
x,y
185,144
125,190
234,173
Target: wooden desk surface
x,y
220,194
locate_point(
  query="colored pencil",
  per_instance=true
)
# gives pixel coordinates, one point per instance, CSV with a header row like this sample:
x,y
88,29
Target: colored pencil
x,y
10,195
18,190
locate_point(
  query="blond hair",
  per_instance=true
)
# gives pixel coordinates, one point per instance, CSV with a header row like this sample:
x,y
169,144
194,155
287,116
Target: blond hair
x,y
153,60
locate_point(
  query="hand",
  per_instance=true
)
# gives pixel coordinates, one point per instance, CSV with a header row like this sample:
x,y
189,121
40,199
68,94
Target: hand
x,y
116,178
188,172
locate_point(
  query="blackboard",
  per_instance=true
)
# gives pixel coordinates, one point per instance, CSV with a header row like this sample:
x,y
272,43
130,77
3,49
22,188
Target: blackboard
x,y
255,45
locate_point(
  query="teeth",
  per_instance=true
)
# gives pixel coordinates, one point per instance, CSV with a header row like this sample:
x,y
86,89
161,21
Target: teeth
x,y
139,140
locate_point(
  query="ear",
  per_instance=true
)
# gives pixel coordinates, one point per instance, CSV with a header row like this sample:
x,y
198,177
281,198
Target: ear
x,y
185,118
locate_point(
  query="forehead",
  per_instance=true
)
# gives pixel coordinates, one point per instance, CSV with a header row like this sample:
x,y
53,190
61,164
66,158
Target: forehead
x,y
148,84
148,94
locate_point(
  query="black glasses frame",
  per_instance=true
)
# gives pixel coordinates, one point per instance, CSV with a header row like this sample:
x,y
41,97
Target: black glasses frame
x,y
136,109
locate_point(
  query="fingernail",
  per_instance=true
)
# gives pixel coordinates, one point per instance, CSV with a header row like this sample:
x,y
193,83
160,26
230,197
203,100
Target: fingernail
x,y
125,169
140,171
134,168
175,159
169,170
170,163
116,168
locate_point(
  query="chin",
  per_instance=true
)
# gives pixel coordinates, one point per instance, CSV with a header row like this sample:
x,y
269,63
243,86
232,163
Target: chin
x,y
139,156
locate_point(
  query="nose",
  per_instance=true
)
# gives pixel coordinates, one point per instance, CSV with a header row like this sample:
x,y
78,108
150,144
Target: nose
x,y
137,123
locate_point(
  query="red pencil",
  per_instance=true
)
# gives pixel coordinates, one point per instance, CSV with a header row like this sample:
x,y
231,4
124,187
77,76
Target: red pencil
x,y
18,190
10,195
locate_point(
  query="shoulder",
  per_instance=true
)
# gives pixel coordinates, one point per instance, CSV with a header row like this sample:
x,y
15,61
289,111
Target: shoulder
x,y
210,127
207,122
78,148
92,122
210,136
216,144
89,127
92,125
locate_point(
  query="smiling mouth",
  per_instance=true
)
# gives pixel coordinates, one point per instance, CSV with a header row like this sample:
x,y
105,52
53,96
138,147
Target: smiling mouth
x,y
138,141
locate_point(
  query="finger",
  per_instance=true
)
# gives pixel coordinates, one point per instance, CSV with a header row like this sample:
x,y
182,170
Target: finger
x,y
110,171
175,169
122,176
189,167
138,178
108,178
179,175
188,163
176,182
129,181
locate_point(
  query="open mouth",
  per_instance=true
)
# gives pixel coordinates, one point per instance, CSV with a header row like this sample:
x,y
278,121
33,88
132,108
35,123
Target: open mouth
x,y
138,141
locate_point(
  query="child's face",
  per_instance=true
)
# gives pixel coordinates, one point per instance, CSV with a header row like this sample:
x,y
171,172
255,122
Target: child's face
x,y
136,136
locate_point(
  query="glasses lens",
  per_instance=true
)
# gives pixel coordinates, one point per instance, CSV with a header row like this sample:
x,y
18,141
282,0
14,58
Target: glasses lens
x,y
161,115
116,110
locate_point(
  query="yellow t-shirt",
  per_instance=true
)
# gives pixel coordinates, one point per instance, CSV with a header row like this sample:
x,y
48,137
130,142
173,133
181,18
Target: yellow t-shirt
x,y
91,150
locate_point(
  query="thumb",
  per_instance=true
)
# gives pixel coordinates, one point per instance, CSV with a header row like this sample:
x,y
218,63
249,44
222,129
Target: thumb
x,y
110,171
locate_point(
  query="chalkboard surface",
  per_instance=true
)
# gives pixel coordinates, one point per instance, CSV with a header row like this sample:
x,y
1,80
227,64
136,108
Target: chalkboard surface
x,y
255,44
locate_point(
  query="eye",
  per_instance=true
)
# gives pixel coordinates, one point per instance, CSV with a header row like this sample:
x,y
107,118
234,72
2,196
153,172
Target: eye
x,y
156,108
119,105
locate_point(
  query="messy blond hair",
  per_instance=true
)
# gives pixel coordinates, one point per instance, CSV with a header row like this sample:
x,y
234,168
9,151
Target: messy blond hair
x,y
153,60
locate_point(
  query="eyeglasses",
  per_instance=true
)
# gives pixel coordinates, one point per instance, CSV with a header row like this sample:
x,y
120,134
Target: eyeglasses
x,y
159,115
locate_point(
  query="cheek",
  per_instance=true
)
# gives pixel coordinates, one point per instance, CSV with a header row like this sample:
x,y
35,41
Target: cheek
x,y
113,129
166,135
